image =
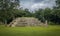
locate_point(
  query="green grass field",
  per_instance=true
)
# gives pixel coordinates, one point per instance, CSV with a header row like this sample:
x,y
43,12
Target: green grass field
x,y
30,31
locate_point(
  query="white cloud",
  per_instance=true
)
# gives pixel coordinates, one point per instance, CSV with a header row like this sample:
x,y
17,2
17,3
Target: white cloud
x,y
43,4
37,5
30,4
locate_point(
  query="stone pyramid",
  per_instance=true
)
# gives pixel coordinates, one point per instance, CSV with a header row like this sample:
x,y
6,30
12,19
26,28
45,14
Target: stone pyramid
x,y
25,21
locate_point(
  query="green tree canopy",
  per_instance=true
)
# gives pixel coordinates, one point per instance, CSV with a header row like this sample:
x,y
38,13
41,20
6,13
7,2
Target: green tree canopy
x,y
7,8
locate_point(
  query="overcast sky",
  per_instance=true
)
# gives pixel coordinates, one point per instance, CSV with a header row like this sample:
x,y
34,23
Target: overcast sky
x,y
35,4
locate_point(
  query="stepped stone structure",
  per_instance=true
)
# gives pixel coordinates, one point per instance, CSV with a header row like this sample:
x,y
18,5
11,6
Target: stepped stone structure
x,y
25,21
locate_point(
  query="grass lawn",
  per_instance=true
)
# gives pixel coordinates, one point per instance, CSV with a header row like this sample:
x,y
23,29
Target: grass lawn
x,y
30,31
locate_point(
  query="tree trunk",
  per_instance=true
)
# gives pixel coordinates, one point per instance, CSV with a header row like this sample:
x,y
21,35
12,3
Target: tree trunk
x,y
5,22
46,23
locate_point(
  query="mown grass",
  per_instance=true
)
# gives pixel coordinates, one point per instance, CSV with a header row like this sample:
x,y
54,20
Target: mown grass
x,y
30,31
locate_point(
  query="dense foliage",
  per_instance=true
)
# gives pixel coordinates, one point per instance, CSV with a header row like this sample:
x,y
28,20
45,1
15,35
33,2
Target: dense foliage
x,y
7,8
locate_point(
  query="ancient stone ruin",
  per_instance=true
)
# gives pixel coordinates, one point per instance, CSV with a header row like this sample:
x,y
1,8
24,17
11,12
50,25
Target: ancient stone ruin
x,y
26,21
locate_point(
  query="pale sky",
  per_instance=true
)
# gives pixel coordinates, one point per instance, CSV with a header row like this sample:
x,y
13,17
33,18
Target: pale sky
x,y
36,4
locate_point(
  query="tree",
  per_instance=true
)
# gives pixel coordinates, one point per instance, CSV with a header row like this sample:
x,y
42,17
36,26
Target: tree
x,y
57,4
56,12
55,16
40,15
7,8
28,13
47,13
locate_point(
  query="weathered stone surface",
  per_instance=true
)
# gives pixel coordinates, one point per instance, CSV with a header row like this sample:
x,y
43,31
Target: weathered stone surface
x,y
25,21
